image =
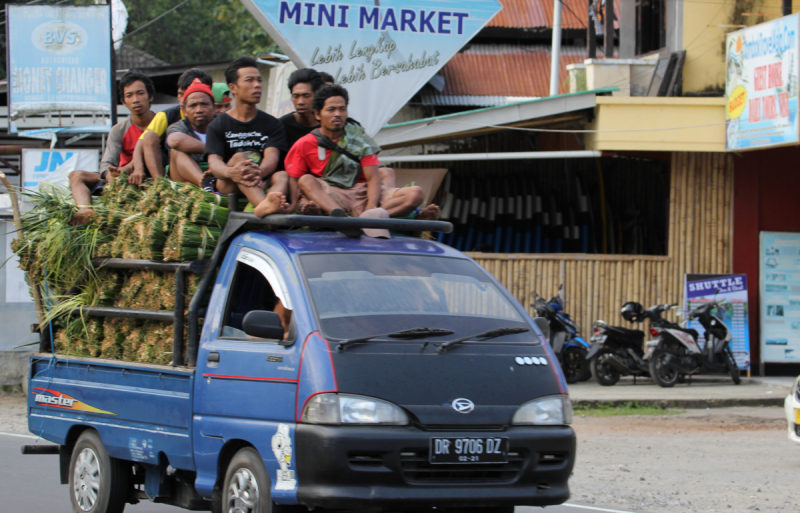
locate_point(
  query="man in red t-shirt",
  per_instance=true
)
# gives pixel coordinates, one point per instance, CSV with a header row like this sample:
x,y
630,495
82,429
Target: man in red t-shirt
x,y
347,180
136,90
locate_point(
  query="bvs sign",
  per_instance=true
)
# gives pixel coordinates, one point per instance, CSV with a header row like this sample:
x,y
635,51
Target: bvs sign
x,y
382,51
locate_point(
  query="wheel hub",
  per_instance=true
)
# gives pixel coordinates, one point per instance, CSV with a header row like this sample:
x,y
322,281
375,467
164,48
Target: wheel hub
x,y
86,479
243,492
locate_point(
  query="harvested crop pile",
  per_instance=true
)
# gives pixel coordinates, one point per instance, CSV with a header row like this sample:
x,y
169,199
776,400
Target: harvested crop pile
x,y
161,221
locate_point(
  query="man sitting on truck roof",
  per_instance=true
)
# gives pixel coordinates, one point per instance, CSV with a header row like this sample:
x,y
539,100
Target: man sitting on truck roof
x,y
136,91
302,84
151,151
223,101
243,145
186,139
348,177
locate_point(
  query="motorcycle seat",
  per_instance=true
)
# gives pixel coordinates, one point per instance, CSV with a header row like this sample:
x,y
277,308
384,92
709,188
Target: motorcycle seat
x,y
634,335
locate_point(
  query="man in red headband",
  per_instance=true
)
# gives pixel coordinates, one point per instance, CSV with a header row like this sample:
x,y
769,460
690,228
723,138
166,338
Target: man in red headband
x,y
186,139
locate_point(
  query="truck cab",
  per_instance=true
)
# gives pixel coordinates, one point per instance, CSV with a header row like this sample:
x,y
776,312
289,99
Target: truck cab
x,y
330,372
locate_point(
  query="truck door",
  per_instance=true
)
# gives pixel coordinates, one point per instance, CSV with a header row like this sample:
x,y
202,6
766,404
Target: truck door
x,y
242,377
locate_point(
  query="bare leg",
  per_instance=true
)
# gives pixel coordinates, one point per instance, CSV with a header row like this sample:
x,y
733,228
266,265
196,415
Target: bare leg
x,y
404,201
151,149
280,184
387,177
79,184
183,168
273,203
312,188
429,213
254,195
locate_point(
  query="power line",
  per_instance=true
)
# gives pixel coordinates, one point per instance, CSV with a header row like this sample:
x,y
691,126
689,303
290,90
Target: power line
x,y
152,21
573,13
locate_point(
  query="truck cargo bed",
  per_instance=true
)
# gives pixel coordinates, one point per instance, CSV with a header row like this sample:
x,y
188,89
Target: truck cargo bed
x,y
140,410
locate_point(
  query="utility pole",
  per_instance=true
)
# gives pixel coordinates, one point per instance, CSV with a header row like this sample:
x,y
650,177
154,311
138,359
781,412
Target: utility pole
x,y
609,30
555,52
591,36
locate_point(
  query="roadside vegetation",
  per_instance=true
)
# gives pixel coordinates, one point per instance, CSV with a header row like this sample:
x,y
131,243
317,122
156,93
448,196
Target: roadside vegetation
x,y
619,410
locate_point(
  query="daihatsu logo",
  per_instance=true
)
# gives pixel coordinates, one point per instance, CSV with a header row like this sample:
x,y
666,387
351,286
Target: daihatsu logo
x,y
463,405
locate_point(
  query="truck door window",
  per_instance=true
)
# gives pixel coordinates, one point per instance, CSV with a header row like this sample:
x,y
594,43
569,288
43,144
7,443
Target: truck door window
x,y
251,290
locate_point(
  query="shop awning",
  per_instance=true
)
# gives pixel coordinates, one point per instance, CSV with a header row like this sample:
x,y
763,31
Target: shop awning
x,y
539,112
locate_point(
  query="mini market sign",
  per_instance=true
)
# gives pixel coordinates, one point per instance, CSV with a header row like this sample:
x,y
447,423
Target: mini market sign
x,y
761,85
382,51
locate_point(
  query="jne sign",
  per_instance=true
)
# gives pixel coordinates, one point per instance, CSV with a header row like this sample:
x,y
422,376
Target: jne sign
x,y
382,51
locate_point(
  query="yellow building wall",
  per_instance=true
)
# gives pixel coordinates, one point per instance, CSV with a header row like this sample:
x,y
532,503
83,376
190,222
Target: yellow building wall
x,y
638,123
705,25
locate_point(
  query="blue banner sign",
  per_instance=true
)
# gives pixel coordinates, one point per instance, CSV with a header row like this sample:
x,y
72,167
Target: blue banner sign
x,y
59,59
382,51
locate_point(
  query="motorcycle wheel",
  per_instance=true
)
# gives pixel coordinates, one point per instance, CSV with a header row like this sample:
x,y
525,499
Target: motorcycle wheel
x,y
730,361
605,374
574,364
661,373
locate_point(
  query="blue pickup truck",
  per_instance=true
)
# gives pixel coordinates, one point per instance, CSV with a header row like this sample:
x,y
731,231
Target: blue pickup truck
x,y
397,375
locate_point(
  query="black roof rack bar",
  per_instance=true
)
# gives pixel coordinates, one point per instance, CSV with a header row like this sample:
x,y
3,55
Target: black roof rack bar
x,y
127,313
298,221
197,266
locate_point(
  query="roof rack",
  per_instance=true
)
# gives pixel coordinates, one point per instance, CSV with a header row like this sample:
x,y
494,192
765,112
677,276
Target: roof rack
x,y
343,223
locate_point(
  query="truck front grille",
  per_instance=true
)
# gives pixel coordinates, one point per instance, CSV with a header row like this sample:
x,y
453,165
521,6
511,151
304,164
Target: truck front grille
x,y
416,469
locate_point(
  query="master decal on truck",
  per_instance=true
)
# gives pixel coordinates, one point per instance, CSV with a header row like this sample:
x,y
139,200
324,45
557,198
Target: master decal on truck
x,y
56,399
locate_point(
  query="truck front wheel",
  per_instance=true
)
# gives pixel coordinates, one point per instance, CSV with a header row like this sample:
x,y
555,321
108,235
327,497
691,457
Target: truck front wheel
x,y
247,484
98,483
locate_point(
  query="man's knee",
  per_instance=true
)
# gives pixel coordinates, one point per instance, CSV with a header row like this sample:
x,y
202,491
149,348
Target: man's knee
x,y
151,139
238,157
415,195
306,182
79,177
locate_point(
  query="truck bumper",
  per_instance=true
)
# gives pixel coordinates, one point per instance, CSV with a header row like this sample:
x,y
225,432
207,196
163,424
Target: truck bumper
x,y
346,467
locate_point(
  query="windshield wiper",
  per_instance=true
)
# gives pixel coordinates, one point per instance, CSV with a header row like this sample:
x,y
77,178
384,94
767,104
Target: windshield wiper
x,y
409,334
486,335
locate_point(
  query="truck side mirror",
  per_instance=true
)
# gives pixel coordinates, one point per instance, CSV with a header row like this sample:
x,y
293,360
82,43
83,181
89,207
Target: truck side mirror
x,y
263,324
543,326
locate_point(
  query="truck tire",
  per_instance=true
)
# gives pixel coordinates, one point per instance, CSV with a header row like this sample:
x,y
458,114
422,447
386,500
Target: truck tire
x,y
98,483
663,375
604,373
247,485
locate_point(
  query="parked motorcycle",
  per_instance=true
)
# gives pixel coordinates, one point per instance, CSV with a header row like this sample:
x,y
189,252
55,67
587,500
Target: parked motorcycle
x,y
618,351
565,339
678,352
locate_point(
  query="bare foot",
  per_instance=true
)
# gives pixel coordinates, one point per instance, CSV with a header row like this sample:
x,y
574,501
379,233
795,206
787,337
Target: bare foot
x,y
274,202
83,216
310,209
429,213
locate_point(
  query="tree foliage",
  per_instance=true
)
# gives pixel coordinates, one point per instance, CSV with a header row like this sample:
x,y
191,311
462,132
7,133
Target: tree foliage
x,y
199,31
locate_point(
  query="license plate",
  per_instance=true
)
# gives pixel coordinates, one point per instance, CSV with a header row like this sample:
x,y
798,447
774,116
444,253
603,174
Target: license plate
x,y
797,416
469,450
599,339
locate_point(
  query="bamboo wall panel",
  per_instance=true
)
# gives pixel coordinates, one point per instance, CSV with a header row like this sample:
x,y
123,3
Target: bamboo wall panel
x,y
596,286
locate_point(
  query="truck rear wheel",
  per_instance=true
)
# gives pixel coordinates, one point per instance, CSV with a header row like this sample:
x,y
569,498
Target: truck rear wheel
x,y
247,485
98,483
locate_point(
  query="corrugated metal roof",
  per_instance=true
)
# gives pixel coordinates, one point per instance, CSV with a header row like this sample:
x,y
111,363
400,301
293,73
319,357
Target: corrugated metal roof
x,y
506,70
538,14
438,99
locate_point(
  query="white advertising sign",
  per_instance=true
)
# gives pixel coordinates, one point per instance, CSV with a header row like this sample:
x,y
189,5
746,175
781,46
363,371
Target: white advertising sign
x,y
780,297
761,85
382,51
54,166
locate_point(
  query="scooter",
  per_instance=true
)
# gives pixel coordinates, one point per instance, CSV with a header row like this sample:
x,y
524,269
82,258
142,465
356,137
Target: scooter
x,y
678,352
565,340
618,351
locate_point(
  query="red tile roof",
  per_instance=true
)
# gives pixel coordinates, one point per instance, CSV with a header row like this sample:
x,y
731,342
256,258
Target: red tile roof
x,y
506,70
538,14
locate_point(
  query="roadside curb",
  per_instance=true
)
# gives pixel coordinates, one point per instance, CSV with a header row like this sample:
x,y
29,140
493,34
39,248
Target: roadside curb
x,y
686,403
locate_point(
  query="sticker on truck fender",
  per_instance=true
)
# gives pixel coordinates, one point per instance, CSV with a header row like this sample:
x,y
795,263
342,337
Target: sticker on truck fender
x,y
56,399
282,449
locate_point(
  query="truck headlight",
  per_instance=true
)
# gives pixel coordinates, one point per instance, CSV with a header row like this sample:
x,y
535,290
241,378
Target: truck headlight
x,y
545,411
352,409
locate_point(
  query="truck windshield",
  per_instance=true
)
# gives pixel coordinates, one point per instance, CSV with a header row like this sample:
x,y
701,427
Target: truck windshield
x,y
360,294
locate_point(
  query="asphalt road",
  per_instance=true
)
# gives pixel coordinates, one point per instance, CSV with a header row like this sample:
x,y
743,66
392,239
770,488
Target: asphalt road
x,y
31,483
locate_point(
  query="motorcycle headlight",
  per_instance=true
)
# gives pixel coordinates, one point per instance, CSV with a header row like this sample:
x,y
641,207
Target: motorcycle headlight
x,y
545,411
339,409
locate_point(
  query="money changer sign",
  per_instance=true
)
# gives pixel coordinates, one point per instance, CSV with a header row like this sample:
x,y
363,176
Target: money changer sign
x,y
382,51
59,59
761,85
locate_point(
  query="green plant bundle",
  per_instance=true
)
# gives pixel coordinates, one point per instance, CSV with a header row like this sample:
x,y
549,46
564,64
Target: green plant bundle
x,y
109,284
208,214
156,343
188,241
151,238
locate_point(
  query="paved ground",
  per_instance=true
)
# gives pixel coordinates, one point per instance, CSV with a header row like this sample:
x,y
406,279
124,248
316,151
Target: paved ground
x,y
703,392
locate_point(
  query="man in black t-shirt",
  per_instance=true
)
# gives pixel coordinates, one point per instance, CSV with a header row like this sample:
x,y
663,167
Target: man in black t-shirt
x,y
303,83
243,145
